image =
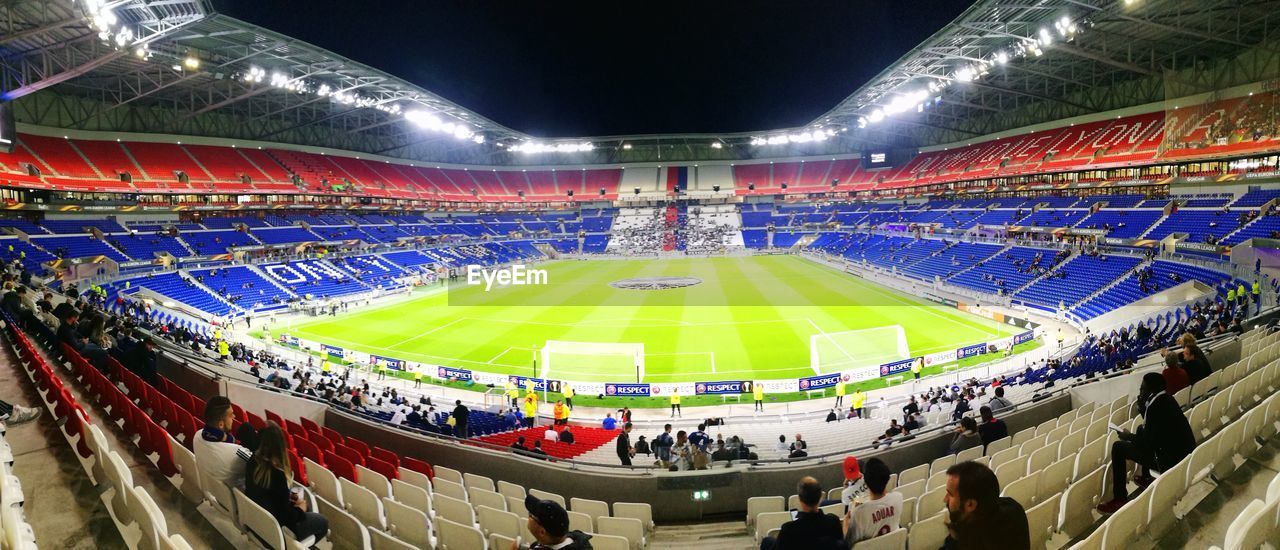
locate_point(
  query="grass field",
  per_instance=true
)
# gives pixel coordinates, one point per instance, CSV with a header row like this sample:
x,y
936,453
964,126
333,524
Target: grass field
x,y
750,318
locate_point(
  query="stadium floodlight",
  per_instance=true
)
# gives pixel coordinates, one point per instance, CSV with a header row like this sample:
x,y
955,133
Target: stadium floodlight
x,y
1001,57
875,116
1045,37
965,74
627,146
716,145
534,147
191,62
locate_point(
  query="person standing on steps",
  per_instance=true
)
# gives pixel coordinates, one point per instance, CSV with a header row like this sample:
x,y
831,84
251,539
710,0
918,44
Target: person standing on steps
x,y
625,450
675,404
513,393
460,414
859,400
840,389
757,391
567,391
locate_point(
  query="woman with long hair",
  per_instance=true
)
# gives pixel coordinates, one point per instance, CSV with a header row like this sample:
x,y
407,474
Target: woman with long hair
x,y
267,482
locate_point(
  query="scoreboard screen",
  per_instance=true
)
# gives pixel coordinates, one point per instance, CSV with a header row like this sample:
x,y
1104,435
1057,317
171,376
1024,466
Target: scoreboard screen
x,y
883,158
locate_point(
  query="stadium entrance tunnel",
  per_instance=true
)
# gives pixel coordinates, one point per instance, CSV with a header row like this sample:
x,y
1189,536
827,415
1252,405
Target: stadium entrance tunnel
x,y
655,283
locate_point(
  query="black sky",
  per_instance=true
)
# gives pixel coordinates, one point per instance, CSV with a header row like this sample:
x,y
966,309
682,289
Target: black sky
x,y
578,68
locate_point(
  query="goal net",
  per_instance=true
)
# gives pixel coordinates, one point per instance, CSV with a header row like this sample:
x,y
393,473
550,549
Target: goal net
x,y
592,361
850,349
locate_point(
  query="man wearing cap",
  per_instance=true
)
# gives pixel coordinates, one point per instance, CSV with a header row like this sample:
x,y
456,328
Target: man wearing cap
x,y
880,513
854,486
549,525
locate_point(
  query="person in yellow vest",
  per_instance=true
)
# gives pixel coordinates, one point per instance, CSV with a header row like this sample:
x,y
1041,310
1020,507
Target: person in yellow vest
x,y
1240,294
567,391
916,367
217,334
382,369
561,413
128,284
1231,297
224,350
757,391
840,393
324,366
675,404
513,393
417,376
859,399
1257,295
530,409
529,386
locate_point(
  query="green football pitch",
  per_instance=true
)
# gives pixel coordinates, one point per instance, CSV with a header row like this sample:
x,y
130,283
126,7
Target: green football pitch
x,y
750,318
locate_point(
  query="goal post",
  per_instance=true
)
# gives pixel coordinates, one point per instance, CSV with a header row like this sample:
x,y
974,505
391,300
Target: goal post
x,y
592,361
850,349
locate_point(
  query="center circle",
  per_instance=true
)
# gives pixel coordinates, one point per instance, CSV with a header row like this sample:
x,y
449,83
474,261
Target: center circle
x,y
655,283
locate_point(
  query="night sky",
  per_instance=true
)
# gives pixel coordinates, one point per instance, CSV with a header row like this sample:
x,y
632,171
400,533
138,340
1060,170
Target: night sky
x,y
577,68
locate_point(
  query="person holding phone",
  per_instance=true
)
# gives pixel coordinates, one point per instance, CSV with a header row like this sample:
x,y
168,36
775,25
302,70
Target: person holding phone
x,y
266,482
1163,439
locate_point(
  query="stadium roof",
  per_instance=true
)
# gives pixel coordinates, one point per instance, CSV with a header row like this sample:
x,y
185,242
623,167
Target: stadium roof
x,y
177,67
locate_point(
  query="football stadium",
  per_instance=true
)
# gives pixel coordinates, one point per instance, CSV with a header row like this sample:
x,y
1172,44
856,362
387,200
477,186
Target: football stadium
x,y
949,274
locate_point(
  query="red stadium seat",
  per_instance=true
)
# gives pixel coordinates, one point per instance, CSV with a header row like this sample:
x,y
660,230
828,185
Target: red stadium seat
x,y
383,467
350,454
307,449
257,422
358,446
293,428
340,466
418,466
332,435
299,469
279,420
386,456
320,441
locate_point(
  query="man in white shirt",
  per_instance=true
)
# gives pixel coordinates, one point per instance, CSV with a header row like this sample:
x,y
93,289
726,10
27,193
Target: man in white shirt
x,y
880,514
551,434
218,454
398,417
854,486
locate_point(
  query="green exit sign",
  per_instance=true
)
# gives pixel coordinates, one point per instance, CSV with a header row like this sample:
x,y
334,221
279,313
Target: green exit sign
x,y
701,496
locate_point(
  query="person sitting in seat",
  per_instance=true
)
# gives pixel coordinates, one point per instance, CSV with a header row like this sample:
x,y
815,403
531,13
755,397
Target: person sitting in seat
x,y
549,524
978,517
1162,441
566,435
218,453
266,480
811,529
992,428
881,513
